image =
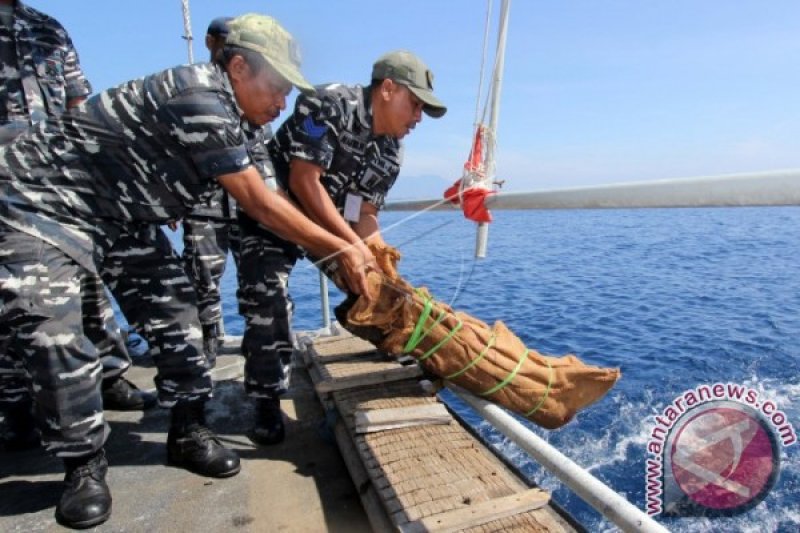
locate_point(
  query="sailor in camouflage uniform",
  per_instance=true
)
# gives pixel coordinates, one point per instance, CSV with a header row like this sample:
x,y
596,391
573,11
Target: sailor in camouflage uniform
x,y
337,156
145,152
40,76
210,231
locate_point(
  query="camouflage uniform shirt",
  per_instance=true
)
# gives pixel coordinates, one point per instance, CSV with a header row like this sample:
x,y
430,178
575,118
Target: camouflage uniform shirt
x,y
146,151
39,68
221,206
333,129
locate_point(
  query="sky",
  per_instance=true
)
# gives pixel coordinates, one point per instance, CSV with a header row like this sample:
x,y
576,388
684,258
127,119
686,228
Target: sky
x,y
594,92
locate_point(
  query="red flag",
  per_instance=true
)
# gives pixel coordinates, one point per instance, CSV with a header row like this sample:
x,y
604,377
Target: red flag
x,y
473,163
473,199
451,194
474,204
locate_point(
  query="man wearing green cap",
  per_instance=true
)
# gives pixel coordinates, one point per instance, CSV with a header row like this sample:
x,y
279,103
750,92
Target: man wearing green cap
x,y
337,156
143,153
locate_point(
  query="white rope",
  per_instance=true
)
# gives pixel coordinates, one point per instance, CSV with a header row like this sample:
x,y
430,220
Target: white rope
x,y
490,138
469,178
483,63
187,28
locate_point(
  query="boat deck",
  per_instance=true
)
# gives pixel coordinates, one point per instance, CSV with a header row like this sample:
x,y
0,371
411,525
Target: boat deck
x,y
416,467
402,463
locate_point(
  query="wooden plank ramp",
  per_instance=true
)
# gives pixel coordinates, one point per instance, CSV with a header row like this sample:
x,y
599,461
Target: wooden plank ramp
x,y
417,469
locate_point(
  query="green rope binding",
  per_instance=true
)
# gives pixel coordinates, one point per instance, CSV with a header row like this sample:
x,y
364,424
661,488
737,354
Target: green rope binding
x,y
418,335
441,342
509,377
477,359
546,391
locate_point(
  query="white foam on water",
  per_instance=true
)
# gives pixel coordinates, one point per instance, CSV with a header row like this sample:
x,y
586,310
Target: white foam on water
x,y
761,519
783,392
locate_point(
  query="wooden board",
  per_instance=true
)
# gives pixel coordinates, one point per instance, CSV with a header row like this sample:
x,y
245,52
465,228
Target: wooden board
x,y
396,373
480,513
371,420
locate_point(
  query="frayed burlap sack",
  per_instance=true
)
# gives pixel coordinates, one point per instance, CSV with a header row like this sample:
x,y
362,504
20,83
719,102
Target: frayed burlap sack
x,y
490,362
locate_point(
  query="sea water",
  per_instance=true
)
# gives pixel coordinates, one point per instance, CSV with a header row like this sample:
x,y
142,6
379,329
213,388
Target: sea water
x,y
676,298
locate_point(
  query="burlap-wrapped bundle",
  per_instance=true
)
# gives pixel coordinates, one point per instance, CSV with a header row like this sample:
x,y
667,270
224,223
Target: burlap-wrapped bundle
x,y
490,362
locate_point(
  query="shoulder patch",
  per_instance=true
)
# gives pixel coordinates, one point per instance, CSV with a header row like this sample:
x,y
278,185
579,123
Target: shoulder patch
x,y
314,130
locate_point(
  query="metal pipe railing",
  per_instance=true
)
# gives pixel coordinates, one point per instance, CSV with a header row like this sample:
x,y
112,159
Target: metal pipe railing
x,y
324,302
593,491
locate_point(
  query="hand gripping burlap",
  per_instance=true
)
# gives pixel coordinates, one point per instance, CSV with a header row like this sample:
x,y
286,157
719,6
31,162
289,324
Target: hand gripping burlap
x,y
490,362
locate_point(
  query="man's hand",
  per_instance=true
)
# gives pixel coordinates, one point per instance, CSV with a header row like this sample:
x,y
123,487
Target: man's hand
x,y
354,268
367,256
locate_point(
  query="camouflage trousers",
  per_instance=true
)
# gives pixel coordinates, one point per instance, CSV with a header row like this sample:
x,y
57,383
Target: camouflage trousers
x,y
145,275
99,326
42,321
264,302
206,243
102,329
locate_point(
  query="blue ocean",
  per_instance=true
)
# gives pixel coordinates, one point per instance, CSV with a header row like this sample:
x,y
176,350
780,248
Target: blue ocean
x,y
676,298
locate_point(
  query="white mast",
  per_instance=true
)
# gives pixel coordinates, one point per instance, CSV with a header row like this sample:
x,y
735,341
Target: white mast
x,y
491,131
187,28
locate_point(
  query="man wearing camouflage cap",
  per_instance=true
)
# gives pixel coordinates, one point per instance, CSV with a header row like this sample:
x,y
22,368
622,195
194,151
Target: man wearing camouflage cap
x,y
337,156
144,152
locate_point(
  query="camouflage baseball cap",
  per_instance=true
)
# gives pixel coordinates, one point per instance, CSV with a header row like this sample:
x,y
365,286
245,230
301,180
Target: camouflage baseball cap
x,y
264,35
407,69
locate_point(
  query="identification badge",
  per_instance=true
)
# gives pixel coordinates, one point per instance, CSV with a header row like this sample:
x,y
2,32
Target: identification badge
x,y
352,207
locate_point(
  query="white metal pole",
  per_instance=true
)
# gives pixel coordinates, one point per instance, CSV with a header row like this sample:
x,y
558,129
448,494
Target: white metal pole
x,y
323,296
482,237
610,504
187,29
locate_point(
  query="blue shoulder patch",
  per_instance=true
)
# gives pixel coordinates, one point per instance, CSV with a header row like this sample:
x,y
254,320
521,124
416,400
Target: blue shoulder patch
x,y
314,130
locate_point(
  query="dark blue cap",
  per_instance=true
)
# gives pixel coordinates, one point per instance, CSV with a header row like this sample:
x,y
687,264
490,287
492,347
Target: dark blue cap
x,y
219,26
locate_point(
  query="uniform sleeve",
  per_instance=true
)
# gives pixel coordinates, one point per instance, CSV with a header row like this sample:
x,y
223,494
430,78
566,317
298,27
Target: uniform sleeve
x,y
313,129
77,85
203,124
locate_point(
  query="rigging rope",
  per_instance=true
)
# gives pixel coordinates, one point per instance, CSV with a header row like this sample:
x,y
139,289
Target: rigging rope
x,y
483,63
187,28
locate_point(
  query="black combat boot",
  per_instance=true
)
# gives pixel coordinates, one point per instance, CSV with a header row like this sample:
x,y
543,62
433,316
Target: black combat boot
x,y
191,445
20,427
211,343
86,500
269,427
119,394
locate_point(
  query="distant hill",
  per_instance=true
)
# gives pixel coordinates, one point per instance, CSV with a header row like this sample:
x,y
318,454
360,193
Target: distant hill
x,y
422,187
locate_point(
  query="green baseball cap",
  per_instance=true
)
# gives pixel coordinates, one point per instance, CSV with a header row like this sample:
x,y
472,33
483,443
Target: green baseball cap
x,y
264,35
405,68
